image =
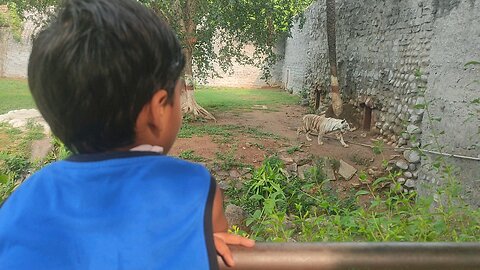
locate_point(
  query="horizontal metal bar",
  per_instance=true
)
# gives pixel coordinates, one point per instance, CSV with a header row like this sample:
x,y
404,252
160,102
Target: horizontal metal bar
x,y
350,256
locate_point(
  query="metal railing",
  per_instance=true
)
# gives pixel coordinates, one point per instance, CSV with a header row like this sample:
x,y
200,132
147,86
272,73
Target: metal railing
x,y
357,256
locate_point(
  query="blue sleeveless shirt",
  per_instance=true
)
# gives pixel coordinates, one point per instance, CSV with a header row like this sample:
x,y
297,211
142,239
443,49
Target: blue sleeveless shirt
x,y
125,210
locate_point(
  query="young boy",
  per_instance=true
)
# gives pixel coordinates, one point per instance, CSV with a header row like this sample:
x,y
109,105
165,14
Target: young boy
x,y
105,76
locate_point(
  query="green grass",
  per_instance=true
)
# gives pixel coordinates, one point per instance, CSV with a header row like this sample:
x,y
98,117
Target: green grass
x,y
225,131
190,155
226,99
14,95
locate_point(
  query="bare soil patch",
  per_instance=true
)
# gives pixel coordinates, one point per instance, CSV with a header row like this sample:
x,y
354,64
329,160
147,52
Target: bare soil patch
x,y
283,122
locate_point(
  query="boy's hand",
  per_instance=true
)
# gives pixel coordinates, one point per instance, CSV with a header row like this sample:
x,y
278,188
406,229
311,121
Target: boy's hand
x,y
222,239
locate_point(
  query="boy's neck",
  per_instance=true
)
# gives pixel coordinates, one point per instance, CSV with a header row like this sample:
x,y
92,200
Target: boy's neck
x,y
148,148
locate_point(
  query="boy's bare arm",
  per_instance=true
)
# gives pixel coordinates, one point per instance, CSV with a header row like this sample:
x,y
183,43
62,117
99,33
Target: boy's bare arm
x,y
220,231
219,220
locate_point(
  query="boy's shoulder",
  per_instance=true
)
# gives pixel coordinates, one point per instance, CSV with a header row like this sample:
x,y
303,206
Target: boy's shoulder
x,y
84,172
131,164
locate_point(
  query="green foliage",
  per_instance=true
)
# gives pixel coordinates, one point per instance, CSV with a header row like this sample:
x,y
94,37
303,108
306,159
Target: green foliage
x,y
293,149
471,63
13,169
227,161
16,141
59,152
12,19
7,185
190,155
378,147
22,7
283,208
234,24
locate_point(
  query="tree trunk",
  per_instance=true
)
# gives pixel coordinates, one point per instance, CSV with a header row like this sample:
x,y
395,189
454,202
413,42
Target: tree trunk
x,y
189,27
189,105
337,104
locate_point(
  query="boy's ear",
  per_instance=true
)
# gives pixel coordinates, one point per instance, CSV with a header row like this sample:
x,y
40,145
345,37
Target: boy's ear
x,y
153,112
159,100
151,119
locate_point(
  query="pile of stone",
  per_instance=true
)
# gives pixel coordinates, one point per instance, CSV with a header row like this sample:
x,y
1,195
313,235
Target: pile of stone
x,y
21,118
409,165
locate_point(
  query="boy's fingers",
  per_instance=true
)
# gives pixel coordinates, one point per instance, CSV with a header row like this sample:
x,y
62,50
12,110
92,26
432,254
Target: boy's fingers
x,y
224,251
232,239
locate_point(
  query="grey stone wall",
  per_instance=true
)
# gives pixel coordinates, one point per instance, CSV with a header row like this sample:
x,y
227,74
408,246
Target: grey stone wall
x,y
450,93
4,33
16,60
305,51
395,57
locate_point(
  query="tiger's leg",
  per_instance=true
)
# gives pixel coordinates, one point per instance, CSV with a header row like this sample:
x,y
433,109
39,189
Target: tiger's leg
x,y
340,137
308,138
319,139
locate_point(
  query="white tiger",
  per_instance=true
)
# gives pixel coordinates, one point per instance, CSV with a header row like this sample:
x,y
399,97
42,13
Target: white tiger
x,y
321,125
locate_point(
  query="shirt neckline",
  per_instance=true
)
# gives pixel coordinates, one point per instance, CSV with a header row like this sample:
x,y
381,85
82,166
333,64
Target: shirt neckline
x,y
110,155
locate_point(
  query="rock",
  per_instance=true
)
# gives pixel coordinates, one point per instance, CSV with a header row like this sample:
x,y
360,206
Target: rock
x,y
356,185
411,156
415,144
415,119
245,171
413,129
302,159
408,174
412,167
302,169
287,160
401,180
292,168
40,149
405,135
234,174
222,174
235,215
21,118
248,176
223,185
329,173
346,170
260,107
402,164
410,183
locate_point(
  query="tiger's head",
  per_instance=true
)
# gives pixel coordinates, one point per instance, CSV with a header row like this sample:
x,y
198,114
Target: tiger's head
x,y
344,126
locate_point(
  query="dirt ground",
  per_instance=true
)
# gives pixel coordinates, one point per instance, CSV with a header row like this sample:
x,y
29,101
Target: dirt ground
x,y
283,122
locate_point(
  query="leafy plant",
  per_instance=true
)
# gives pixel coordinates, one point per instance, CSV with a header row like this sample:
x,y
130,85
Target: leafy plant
x,y
227,160
12,20
293,149
190,155
283,208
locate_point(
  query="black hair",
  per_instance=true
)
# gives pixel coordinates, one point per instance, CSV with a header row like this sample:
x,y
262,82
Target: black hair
x,y
93,69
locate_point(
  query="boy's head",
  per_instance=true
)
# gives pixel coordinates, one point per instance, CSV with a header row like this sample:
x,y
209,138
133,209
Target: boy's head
x,y
95,68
